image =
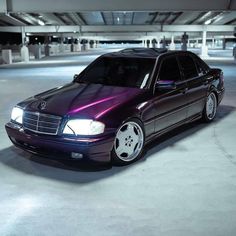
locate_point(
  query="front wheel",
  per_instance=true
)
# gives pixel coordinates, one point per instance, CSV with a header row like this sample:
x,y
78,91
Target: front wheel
x,y
129,142
209,111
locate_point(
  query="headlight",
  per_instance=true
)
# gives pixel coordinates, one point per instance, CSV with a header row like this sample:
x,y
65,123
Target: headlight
x,y
83,127
17,115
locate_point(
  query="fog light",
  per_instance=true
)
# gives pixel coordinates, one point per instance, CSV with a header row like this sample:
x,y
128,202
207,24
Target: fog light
x,y
76,155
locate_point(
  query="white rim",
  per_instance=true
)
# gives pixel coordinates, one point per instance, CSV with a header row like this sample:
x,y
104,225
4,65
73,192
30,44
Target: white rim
x,y
211,106
129,141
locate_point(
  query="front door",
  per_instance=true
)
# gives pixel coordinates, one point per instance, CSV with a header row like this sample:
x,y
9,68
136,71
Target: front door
x,y
170,104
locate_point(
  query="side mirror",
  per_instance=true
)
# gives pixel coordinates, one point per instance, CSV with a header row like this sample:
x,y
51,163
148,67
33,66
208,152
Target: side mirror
x,y
76,76
165,85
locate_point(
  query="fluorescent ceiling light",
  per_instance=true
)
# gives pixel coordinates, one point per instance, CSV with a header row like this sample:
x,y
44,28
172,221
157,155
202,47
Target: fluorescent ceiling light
x,y
41,22
207,22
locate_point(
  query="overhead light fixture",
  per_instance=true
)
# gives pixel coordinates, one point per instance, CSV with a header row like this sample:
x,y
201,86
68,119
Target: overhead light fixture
x,y
207,22
74,32
40,22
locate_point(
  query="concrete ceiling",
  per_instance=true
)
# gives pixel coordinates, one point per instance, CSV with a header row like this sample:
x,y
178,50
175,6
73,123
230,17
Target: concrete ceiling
x,y
119,18
114,17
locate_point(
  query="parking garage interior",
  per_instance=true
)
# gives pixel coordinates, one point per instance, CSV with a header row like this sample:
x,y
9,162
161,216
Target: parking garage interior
x,y
185,184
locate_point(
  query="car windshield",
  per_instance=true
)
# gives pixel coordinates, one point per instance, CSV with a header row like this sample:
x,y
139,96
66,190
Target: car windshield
x,y
119,71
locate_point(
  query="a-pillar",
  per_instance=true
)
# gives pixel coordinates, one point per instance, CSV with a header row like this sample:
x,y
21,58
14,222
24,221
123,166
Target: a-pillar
x,y
204,49
172,44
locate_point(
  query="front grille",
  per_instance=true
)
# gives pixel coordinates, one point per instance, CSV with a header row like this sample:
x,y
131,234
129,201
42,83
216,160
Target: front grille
x,y
41,123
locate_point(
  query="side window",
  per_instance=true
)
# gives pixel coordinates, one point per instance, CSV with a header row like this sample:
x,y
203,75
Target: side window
x,y
188,66
201,66
169,70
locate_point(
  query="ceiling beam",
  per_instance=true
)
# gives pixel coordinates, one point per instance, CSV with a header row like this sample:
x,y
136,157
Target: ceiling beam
x,y
103,18
154,17
114,5
120,28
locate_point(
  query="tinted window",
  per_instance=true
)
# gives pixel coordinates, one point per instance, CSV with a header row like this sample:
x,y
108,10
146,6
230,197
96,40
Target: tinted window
x,y
119,71
188,66
169,69
201,66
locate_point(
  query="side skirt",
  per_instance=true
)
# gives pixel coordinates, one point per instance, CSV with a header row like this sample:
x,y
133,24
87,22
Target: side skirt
x,y
168,129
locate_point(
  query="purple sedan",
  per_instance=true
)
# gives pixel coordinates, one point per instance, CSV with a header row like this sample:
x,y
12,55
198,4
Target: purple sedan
x,y
118,104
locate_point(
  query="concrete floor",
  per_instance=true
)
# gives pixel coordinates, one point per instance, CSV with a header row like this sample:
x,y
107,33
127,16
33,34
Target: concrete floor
x,y
184,185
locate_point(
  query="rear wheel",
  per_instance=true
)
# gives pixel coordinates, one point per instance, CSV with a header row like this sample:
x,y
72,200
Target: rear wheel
x,y
209,111
129,142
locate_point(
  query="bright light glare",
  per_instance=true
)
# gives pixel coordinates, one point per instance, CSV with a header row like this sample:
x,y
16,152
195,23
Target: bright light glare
x,y
84,127
17,115
208,22
40,22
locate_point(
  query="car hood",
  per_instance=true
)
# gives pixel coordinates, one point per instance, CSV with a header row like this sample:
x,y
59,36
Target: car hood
x,y
81,100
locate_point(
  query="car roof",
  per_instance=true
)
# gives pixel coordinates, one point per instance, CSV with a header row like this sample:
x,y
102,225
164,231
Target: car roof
x,y
143,52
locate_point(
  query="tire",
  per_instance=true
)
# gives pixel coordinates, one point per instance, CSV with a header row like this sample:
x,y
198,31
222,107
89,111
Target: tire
x,y
210,108
129,143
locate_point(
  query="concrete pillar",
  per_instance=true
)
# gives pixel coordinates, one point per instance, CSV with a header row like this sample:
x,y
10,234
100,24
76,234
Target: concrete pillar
x,y
148,43
184,46
47,47
158,43
234,53
37,51
172,44
24,52
143,43
188,44
61,45
223,44
204,49
7,56
213,43
164,42
154,43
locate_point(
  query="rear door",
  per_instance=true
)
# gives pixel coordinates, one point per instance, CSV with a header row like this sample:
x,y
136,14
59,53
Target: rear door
x,y
170,104
196,84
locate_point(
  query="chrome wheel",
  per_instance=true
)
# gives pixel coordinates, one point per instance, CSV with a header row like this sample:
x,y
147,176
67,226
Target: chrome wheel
x,y
129,141
211,105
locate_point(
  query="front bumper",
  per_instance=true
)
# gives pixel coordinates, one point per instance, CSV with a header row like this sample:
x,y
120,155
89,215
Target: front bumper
x,y
58,147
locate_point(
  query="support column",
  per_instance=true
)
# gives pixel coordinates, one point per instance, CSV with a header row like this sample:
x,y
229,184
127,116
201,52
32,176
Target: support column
x,y
172,44
158,43
213,43
204,49
223,44
47,47
7,56
148,43
61,46
164,42
154,43
184,42
188,44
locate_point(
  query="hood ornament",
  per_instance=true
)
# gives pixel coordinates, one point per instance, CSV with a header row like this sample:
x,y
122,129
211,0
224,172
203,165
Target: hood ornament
x,y
42,105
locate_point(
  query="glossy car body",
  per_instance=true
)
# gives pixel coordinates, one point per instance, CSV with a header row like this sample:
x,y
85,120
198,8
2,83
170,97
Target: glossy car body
x,y
172,96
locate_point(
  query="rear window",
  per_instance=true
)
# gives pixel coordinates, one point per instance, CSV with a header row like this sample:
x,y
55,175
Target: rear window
x,y
188,66
169,69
